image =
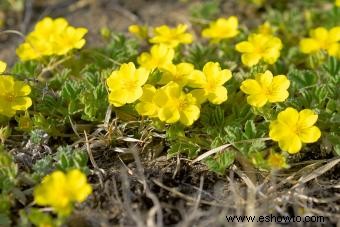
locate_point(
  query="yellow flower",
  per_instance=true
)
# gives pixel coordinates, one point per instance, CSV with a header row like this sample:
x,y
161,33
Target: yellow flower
x,y
259,46
13,94
179,74
160,56
292,128
266,88
146,106
175,105
337,3
277,161
139,31
265,29
210,83
322,39
51,37
171,37
221,29
60,190
125,84
71,38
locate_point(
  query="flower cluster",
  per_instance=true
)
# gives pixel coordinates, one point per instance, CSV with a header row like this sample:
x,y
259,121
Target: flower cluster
x,y
180,91
51,37
13,94
170,103
322,39
60,190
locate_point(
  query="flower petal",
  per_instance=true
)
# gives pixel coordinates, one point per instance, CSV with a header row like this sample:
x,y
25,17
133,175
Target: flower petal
x,y
310,135
291,144
251,86
257,100
289,117
307,118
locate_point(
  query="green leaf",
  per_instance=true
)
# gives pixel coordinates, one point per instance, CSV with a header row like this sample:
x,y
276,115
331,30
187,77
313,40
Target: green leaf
x,y
221,161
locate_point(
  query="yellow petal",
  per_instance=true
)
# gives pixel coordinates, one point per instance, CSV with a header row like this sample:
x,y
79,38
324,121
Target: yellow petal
x,y
250,86
307,118
118,97
21,103
289,117
219,95
211,69
309,45
250,59
291,144
21,89
334,34
189,115
265,79
141,76
277,131
280,82
310,135
244,47
114,82
200,95
147,109
257,100
127,70
169,115
278,96
134,95
320,34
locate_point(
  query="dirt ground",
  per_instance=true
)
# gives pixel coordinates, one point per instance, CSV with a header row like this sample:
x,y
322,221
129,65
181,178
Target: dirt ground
x,y
173,192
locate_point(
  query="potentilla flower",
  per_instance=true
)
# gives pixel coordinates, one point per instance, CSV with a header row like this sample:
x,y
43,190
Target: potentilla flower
x,y
292,128
266,88
259,46
179,73
277,161
175,105
322,39
125,84
337,3
222,28
266,29
160,56
51,37
210,83
141,31
146,106
12,94
171,37
60,190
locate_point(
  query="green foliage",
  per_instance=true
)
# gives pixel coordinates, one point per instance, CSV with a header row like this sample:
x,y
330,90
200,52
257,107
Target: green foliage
x,y
200,54
221,161
68,158
8,171
87,97
206,10
8,181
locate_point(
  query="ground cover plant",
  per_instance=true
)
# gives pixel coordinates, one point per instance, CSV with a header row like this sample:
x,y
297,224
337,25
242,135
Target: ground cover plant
x,y
174,124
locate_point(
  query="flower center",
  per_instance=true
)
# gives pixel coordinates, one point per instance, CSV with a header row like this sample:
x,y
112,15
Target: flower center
x,y
130,85
9,97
